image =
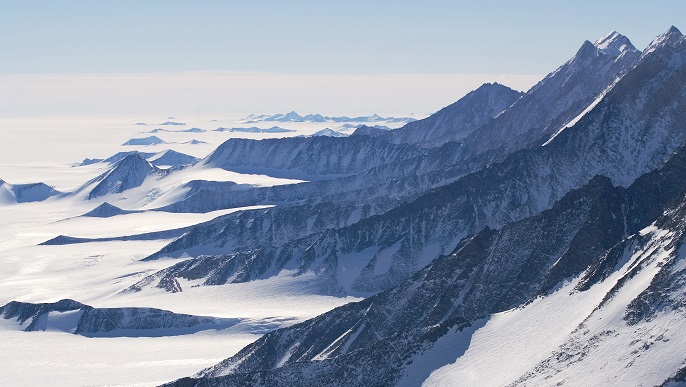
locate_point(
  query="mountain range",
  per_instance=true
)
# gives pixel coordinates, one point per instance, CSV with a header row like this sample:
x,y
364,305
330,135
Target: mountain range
x,y
295,117
509,239
581,197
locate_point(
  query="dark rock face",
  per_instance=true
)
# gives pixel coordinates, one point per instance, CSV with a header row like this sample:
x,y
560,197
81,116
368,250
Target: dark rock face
x,y
315,156
22,311
667,290
489,272
676,380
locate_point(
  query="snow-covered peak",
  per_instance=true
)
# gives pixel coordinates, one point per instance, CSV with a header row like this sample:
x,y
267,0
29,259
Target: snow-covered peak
x,y
669,38
293,114
492,88
128,173
614,43
328,132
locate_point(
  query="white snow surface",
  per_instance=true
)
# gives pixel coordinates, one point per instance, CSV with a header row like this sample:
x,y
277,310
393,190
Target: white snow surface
x,y
95,273
613,43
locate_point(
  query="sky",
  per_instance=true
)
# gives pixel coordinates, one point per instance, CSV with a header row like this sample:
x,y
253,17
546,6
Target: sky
x,y
206,57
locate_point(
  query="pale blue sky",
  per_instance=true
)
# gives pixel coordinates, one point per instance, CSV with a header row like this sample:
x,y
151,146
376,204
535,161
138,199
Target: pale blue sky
x,y
431,36
208,57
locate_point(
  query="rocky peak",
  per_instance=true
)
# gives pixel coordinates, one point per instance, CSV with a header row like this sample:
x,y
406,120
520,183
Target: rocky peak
x,y
669,38
130,172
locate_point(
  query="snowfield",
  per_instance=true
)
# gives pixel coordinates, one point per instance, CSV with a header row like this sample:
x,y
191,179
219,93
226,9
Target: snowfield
x,y
95,273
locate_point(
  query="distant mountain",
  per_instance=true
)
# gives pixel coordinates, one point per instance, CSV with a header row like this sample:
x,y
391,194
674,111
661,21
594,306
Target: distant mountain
x,y
128,173
195,142
166,158
354,127
25,193
295,117
106,210
288,117
88,161
173,123
152,140
74,317
113,159
191,130
172,158
254,129
117,157
328,132
311,117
